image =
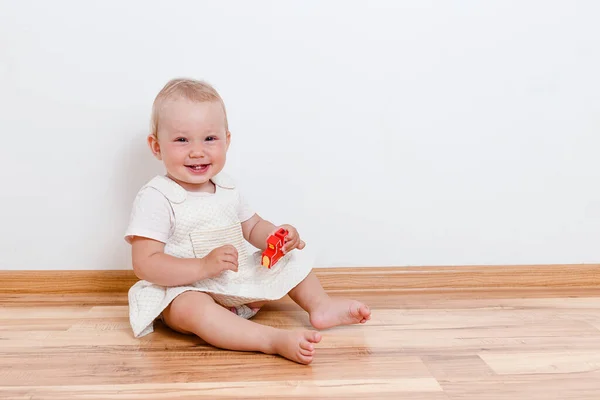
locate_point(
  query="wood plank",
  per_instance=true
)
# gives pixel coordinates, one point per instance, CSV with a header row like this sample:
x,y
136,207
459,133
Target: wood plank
x,y
25,394
335,279
269,389
389,299
128,365
457,367
469,377
442,345
530,387
543,362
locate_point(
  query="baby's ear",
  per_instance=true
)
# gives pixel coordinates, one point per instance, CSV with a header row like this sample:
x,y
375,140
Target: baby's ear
x,y
154,146
228,138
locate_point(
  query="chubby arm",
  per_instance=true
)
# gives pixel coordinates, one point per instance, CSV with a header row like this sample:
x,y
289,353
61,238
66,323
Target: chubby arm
x,y
152,214
150,263
257,230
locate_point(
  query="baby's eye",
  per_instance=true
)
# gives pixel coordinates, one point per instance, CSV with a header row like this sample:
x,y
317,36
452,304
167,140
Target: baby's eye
x,y
181,139
211,138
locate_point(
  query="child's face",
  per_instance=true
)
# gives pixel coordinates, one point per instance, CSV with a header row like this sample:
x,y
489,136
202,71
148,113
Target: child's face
x,y
192,142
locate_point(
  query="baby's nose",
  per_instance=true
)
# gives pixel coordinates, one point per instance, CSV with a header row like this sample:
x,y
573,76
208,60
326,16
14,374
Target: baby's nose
x,y
197,151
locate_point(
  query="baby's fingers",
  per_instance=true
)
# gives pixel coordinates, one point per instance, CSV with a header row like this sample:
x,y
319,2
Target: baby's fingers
x,y
230,262
291,245
298,244
291,235
229,249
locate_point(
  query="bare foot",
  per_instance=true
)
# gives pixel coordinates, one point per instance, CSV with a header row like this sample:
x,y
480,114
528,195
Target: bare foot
x,y
334,312
297,346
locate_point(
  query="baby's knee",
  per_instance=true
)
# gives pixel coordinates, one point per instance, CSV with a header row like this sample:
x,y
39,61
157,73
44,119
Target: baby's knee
x,y
177,314
188,302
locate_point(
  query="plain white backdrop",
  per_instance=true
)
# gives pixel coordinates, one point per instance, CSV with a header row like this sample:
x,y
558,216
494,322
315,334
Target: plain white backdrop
x,y
391,133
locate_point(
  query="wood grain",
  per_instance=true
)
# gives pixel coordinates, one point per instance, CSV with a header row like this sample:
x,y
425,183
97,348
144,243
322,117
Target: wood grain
x,y
420,345
336,279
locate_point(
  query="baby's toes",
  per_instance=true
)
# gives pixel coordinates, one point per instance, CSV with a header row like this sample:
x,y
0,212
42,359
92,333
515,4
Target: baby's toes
x,y
364,311
355,310
304,359
306,345
313,337
307,353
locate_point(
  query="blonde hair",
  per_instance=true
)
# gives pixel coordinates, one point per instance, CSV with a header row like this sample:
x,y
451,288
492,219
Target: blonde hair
x,y
184,88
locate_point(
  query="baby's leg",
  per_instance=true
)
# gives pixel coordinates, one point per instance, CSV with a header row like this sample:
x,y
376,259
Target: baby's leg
x,y
326,312
196,312
257,305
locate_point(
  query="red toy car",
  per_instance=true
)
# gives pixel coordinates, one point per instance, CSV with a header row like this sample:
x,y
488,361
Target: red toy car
x,y
273,252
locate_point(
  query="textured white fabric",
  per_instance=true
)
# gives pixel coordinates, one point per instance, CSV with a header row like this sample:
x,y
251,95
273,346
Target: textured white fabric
x,y
202,223
152,215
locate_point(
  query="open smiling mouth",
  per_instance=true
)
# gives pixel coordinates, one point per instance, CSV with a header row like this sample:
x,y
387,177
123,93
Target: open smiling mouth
x,y
198,168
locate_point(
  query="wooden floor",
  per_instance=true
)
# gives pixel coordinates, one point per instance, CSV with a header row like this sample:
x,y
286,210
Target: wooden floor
x,y
418,345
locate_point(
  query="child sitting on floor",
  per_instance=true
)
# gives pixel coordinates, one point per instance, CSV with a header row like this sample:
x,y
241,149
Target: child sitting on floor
x,y
188,230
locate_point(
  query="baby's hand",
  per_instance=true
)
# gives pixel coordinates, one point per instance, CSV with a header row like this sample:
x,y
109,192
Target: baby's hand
x,y
221,259
292,240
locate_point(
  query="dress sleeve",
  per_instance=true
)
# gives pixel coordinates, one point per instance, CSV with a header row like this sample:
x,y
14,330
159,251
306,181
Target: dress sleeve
x,y
244,210
151,216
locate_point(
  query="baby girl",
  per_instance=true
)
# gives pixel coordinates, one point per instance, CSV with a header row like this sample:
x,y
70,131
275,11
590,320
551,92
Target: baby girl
x,y
189,231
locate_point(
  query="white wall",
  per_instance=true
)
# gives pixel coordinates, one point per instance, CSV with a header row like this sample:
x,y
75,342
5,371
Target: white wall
x,y
399,133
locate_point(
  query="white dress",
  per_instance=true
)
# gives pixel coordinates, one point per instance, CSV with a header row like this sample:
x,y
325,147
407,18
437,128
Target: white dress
x,y
201,224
